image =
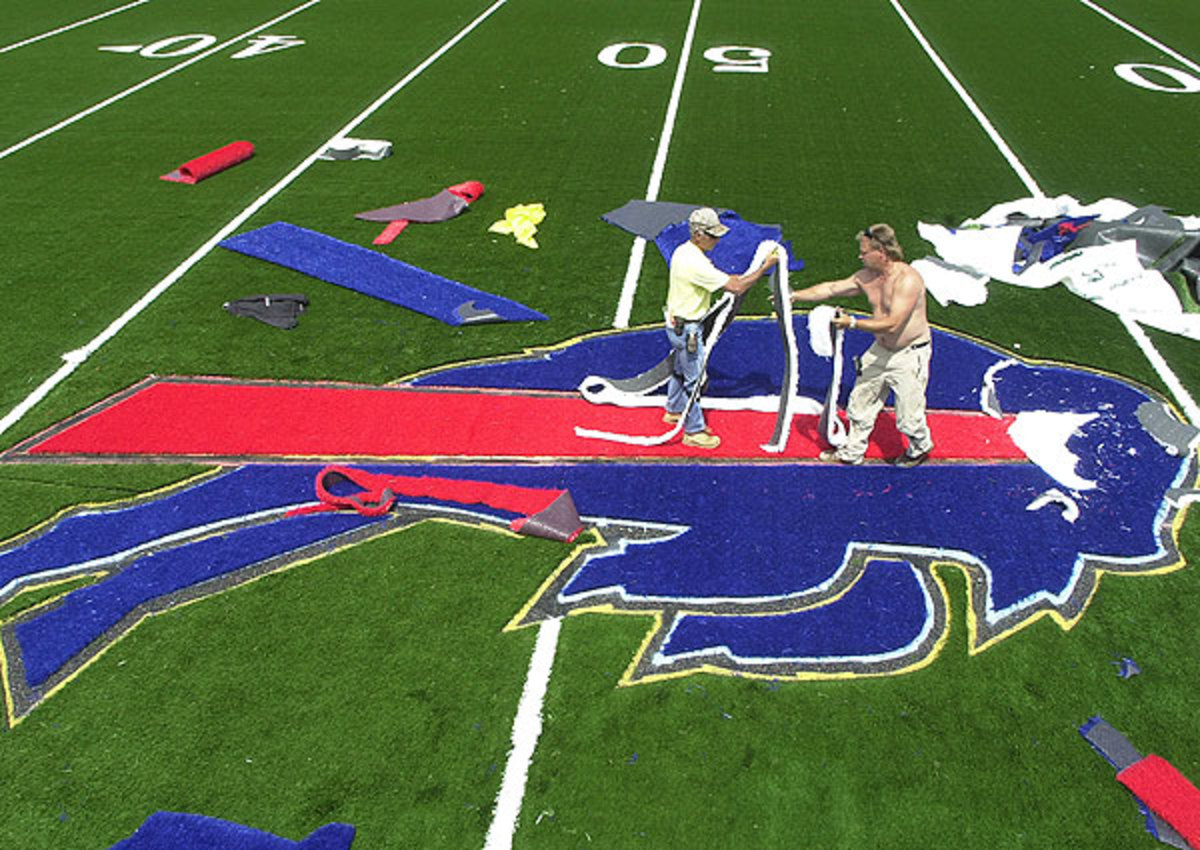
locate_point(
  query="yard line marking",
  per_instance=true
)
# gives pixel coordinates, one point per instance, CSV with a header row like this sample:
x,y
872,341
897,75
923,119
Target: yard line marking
x,y
966,98
74,358
63,29
78,116
527,728
1183,60
1157,361
634,269
1162,368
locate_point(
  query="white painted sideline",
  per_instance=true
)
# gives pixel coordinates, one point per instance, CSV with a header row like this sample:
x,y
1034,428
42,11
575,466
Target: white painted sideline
x,y
634,270
1169,378
109,101
67,27
1183,60
527,728
74,358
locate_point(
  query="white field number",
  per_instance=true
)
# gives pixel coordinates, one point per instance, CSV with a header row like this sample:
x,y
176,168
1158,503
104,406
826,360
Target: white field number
x,y
634,55
1133,72
186,45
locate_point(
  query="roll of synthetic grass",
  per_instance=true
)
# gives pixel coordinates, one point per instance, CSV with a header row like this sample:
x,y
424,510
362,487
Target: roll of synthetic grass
x,y
195,170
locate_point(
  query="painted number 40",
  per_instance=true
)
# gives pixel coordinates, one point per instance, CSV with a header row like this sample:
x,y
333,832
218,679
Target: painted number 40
x,y
185,45
727,59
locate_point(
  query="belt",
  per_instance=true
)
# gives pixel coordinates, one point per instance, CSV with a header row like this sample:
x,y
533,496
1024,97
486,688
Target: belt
x,y
677,323
917,345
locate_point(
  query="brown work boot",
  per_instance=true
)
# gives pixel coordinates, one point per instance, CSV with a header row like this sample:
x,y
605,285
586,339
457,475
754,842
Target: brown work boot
x,y
831,456
702,440
671,418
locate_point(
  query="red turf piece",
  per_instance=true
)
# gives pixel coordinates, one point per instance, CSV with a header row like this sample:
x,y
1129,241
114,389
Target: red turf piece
x,y
547,513
390,232
1168,793
195,170
225,419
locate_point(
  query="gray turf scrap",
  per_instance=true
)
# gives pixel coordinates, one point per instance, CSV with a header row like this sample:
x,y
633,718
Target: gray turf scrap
x,y
647,218
1176,437
280,311
444,205
1162,242
1120,753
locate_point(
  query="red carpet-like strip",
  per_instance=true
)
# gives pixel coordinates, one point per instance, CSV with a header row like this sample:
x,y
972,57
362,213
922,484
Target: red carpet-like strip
x,y
547,513
222,419
1168,793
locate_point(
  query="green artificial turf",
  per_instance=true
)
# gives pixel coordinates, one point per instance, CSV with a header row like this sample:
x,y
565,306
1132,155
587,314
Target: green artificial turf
x,y
376,685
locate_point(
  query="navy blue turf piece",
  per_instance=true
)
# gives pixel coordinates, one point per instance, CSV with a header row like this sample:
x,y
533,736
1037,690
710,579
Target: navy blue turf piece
x,y
180,831
735,250
50,641
377,275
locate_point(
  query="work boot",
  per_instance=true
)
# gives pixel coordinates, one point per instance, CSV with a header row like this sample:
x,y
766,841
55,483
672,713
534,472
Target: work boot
x,y
702,440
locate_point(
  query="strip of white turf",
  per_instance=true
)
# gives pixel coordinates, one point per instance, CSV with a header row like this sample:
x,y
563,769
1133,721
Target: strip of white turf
x,y
174,69
1169,378
72,359
1181,59
68,27
634,270
527,728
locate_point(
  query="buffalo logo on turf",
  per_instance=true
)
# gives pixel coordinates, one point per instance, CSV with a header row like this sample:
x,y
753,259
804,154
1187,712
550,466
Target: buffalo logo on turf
x,y
1045,478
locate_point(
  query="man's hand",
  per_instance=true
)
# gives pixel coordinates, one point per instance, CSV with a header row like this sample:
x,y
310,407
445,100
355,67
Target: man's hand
x,y
843,320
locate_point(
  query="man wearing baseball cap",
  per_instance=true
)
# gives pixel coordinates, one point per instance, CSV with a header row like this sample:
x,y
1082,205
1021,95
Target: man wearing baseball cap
x,y
693,280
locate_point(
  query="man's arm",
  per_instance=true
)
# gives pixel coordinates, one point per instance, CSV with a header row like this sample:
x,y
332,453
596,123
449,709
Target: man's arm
x,y
904,300
737,284
826,290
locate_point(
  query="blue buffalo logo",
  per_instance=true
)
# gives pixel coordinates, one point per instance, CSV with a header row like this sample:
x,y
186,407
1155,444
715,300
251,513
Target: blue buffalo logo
x,y
768,565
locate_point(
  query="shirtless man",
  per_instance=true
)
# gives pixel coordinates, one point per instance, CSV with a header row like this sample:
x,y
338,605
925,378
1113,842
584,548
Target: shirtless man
x,y
898,361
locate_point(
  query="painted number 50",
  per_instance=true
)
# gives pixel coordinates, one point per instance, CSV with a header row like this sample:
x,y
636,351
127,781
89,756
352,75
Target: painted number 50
x,y
726,59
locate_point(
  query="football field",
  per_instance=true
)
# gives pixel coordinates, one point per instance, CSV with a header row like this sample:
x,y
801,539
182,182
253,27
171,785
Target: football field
x,y
709,664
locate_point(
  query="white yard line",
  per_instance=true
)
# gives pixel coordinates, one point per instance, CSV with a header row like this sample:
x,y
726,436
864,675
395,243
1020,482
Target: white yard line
x,y
1169,378
527,728
527,725
74,358
972,106
109,101
67,27
1183,60
634,270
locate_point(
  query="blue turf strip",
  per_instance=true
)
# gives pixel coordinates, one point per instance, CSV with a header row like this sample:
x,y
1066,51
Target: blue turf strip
x,y
377,275
183,831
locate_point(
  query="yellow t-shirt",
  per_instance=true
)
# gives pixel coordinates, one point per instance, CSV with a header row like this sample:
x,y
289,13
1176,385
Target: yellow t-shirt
x,y
693,281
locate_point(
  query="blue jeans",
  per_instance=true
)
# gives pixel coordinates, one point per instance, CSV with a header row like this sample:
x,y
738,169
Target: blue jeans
x,y
686,374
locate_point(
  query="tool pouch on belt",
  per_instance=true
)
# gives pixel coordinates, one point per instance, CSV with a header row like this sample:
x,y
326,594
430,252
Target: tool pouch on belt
x,y
693,340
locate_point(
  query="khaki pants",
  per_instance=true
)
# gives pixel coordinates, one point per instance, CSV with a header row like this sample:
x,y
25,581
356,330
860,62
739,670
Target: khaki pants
x,y
882,371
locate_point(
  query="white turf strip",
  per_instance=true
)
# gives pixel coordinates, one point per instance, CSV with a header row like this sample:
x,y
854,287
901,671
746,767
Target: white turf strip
x,y
109,101
74,358
1139,336
67,27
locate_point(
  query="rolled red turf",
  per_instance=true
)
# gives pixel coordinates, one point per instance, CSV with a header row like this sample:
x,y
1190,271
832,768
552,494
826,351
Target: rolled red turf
x,y
195,170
